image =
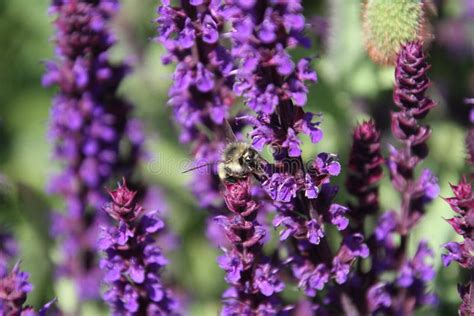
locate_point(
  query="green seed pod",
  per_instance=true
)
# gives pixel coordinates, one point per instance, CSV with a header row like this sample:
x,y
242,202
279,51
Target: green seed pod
x,y
388,24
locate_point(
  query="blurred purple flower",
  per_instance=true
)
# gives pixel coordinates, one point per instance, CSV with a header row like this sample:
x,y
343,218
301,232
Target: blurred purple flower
x,y
8,250
311,279
87,125
14,289
378,297
351,248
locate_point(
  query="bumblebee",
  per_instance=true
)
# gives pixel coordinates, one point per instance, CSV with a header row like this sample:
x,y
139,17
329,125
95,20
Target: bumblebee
x,y
239,159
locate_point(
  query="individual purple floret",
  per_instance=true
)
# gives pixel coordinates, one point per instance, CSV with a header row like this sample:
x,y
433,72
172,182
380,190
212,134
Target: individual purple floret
x,y
253,278
132,260
461,252
88,122
201,92
14,289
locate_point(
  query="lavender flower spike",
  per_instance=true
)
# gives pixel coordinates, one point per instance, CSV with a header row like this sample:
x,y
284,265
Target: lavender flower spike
x,y
14,289
132,259
201,93
87,125
253,278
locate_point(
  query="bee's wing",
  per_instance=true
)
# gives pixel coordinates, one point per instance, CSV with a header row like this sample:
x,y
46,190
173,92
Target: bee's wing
x,y
228,133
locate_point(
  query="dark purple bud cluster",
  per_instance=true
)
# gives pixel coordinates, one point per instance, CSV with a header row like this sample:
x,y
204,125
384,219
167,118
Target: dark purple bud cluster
x,y
88,123
411,82
14,289
365,170
132,259
253,278
461,252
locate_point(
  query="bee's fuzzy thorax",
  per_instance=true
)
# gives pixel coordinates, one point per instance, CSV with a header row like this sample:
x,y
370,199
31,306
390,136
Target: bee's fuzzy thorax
x,y
235,149
239,160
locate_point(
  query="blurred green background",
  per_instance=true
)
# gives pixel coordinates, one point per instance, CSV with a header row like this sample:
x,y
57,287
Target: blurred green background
x,y
350,89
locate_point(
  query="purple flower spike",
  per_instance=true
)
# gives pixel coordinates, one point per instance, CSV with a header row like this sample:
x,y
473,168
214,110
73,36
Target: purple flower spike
x,y
132,258
254,279
89,127
201,93
387,242
274,86
411,83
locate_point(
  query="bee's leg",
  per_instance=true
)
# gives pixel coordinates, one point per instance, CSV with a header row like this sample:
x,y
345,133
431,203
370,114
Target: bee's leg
x,y
260,175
